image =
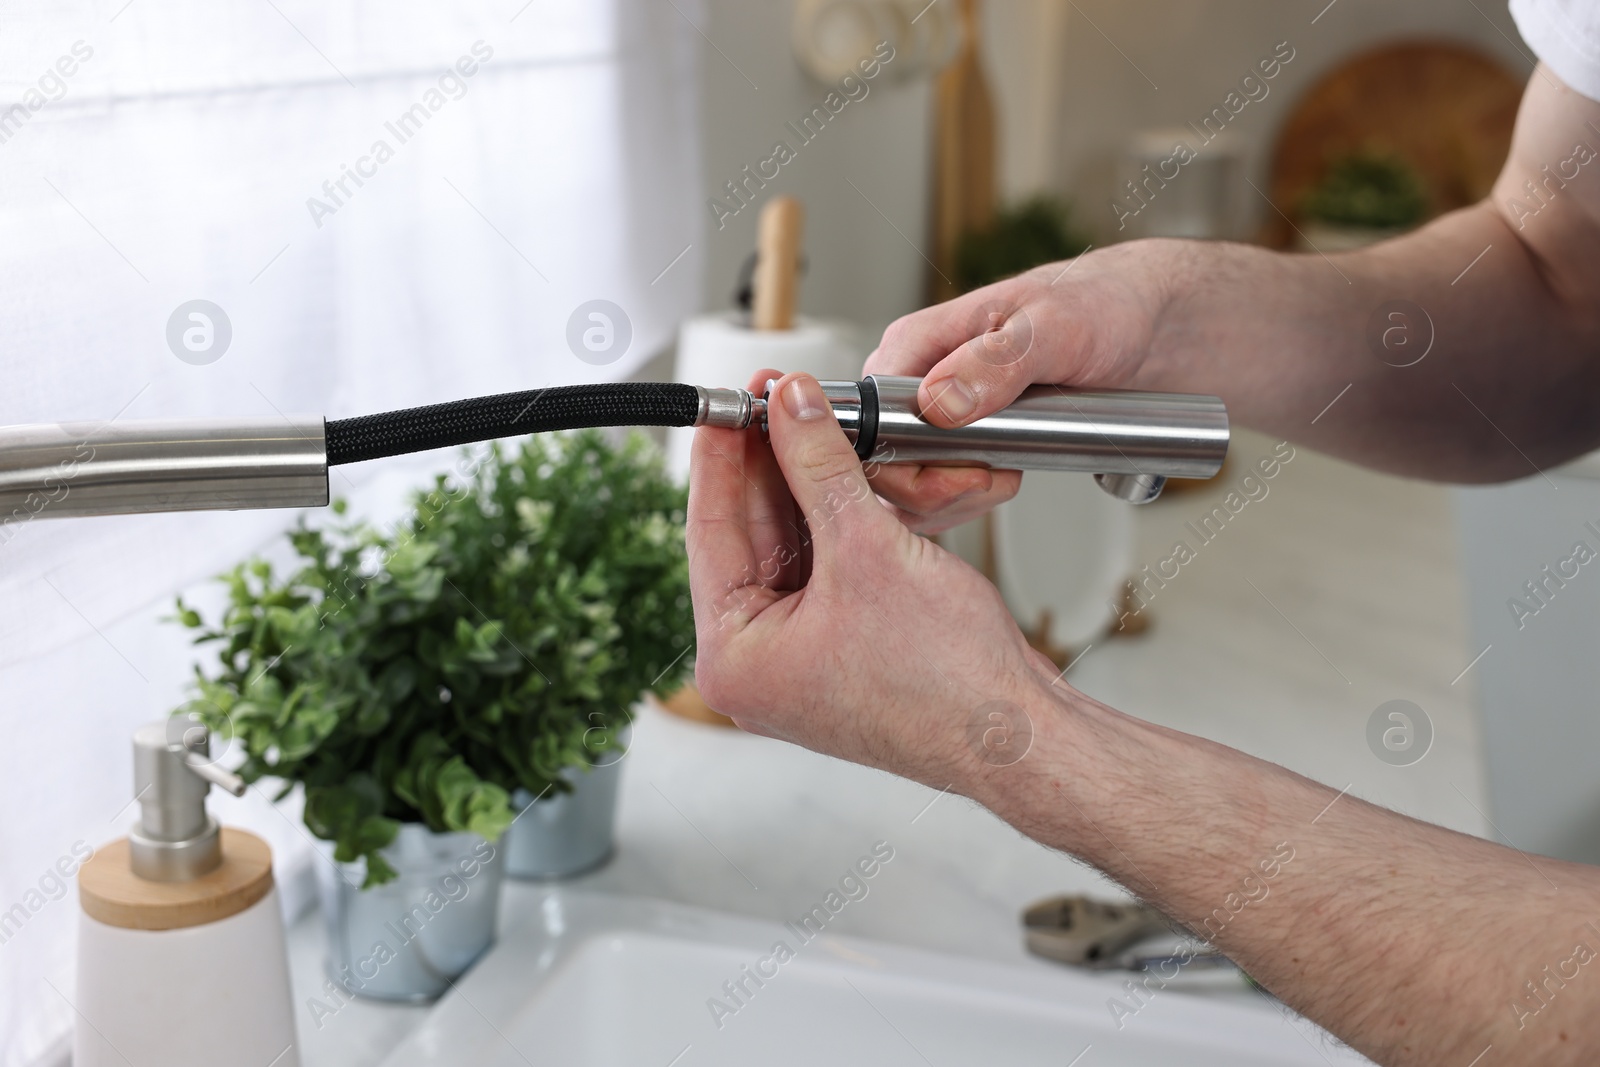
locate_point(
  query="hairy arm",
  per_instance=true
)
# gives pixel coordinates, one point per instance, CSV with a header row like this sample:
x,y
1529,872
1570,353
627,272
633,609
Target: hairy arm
x,y
1486,373
1414,944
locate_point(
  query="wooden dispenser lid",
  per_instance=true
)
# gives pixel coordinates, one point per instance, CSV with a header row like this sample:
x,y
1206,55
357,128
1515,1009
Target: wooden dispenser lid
x,y
111,893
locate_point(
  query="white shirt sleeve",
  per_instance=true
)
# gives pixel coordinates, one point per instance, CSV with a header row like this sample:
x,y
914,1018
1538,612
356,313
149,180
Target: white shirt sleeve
x,y
1566,35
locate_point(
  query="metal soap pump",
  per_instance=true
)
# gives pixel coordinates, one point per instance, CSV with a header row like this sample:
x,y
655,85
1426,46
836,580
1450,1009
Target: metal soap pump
x,y
181,954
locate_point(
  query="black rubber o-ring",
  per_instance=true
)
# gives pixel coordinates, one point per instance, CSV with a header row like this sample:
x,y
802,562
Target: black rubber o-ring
x,y
867,422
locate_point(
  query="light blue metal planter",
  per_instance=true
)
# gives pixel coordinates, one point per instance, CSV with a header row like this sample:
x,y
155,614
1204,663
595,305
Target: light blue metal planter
x,y
410,938
566,834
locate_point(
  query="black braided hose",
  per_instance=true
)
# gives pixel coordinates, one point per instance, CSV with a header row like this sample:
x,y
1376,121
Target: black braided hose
x,y
460,422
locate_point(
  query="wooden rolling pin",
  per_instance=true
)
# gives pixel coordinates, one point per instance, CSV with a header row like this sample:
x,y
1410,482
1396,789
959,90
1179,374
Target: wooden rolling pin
x,y
964,155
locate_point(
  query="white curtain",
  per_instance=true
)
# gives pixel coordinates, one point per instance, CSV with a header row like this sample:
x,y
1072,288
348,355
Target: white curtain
x,y
163,151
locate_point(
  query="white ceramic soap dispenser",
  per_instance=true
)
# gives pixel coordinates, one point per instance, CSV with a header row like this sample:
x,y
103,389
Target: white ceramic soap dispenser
x,y
181,956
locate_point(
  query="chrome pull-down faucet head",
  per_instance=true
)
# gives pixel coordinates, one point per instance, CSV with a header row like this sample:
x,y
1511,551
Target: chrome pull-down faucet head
x,y
1131,442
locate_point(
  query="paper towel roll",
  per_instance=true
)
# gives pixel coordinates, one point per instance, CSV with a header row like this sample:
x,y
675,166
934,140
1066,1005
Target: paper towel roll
x,y
719,350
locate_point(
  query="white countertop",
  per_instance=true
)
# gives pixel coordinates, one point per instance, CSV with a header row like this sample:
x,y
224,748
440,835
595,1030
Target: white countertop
x,y
1362,566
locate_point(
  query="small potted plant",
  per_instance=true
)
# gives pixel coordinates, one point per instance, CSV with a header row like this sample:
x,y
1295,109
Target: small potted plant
x,y
1020,238
424,684
1364,198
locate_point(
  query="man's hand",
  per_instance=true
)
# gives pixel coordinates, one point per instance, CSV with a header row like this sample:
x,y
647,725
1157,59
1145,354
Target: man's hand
x,y
823,621
1084,322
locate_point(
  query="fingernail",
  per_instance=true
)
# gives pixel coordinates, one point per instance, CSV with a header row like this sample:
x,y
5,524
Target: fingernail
x,y
803,397
953,398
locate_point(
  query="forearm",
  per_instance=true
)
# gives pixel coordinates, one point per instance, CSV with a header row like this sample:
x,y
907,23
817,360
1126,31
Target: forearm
x,y
1486,375
1410,942
1501,334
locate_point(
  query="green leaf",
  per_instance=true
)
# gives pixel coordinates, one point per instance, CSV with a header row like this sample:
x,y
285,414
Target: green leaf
x,y
470,803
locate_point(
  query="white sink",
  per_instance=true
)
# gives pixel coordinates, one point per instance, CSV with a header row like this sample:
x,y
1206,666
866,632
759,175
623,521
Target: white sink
x,y
595,979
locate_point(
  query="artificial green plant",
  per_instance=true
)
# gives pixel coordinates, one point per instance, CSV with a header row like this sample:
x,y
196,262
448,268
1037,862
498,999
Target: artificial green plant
x,y
493,639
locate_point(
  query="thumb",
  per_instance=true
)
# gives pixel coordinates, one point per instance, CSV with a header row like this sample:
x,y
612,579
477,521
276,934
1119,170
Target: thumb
x,y
986,373
822,469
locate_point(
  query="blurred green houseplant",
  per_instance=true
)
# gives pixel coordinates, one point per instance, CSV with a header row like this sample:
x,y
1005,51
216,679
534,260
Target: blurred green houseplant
x,y
496,637
1368,190
1020,238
